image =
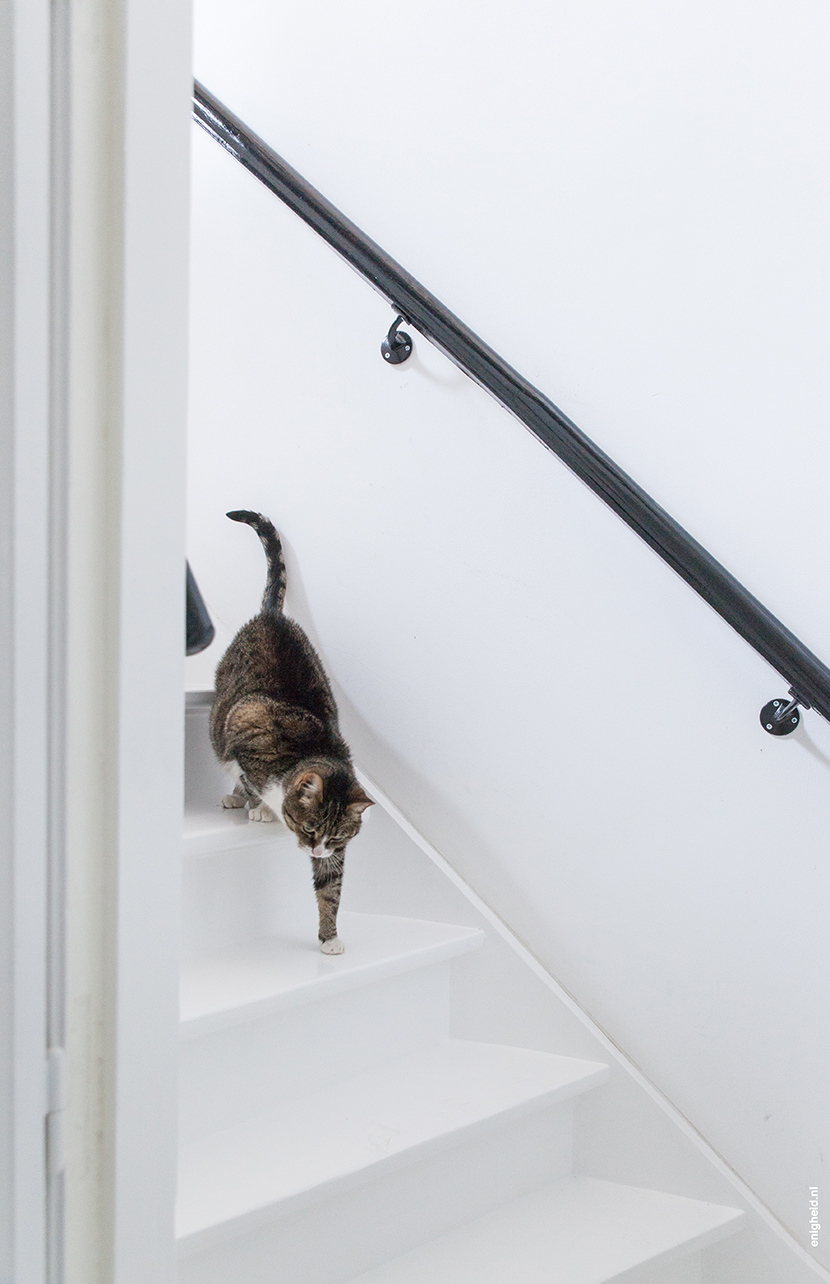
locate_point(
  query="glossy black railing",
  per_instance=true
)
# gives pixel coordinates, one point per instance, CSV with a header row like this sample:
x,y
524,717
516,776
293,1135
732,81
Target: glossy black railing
x,y
807,677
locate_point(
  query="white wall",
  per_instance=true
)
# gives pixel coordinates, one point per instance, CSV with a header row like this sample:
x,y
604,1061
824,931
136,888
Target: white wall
x,y
628,202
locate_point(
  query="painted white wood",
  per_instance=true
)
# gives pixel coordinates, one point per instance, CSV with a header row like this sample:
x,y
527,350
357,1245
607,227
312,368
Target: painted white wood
x,y
372,1123
247,1069
221,829
156,141
579,1231
28,619
787,1255
303,1092
258,888
128,106
370,1223
206,781
689,1270
498,994
256,979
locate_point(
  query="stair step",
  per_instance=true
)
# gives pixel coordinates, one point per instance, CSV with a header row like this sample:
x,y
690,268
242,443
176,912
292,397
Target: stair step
x,y
577,1231
256,978
217,829
241,1177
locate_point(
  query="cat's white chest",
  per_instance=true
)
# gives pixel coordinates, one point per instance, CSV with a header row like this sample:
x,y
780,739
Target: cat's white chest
x,y
274,796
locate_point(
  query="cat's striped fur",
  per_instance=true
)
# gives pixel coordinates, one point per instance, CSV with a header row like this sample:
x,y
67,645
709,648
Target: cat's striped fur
x,y
274,725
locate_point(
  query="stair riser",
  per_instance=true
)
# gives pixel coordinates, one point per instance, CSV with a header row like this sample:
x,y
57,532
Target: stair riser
x,y
205,780
349,1233
240,1072
687,1271
239,895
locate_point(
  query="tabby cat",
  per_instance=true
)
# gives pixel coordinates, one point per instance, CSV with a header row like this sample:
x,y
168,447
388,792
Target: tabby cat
x,y
274,727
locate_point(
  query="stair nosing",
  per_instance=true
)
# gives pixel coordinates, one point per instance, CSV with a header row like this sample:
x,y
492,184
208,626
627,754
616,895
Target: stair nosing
x,y
592,1075
232,835
595,1189
323,987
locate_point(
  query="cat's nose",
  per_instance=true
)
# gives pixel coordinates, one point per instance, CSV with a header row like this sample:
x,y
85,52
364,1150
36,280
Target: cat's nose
x,y
318,850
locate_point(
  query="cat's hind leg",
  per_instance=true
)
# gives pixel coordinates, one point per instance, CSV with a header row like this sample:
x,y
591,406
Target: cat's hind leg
x,y
238,798
328,884
257,808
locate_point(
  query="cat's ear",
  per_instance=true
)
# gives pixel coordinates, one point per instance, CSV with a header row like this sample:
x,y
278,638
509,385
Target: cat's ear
x,y
359,801
310,788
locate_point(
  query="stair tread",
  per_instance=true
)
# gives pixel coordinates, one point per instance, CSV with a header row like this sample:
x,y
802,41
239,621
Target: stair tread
x,y
217,828
386,1118
581,1230
247,981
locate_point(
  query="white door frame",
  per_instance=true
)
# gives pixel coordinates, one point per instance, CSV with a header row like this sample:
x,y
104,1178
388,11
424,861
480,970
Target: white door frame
x,y
94,196
24,632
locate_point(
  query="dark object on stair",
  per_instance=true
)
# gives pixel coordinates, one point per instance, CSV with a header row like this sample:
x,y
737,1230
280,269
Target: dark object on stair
x,y
200,630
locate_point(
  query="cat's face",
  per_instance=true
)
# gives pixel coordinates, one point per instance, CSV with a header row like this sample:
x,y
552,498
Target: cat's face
x,y
323,825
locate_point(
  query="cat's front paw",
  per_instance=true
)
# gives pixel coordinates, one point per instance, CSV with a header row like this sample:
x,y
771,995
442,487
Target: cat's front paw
x,y
233,800
261,812
334,946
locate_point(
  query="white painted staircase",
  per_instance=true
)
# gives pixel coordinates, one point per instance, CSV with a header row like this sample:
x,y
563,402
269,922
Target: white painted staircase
x,y
332,1129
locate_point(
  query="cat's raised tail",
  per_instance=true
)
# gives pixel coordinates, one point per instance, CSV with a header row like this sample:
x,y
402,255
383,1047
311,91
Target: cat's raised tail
x,y
274,595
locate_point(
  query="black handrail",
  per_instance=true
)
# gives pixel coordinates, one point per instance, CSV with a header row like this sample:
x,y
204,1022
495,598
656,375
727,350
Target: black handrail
x,y
809,679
